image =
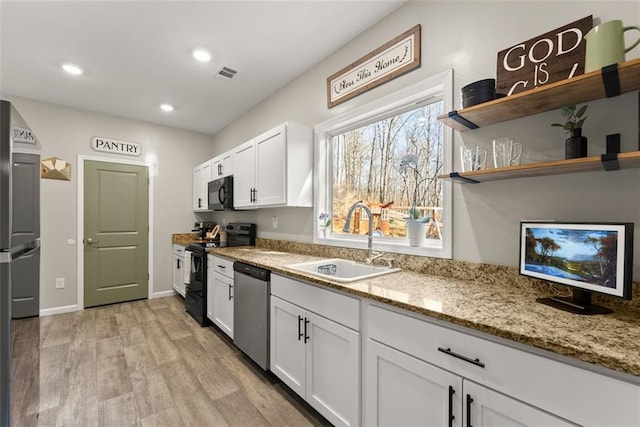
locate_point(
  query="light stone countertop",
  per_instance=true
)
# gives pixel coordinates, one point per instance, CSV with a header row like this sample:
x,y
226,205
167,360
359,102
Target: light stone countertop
x,y
611,341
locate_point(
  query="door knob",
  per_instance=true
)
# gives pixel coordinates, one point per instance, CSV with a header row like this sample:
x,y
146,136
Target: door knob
x,y
90,241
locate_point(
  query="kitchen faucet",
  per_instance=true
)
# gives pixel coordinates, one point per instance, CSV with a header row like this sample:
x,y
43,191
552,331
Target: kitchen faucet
x,y
372,254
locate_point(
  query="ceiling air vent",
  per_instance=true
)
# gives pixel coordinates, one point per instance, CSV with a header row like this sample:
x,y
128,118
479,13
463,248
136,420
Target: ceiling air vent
x,y
226,73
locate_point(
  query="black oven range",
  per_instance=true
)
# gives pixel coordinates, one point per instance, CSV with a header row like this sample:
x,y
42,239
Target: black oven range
x,y
238,234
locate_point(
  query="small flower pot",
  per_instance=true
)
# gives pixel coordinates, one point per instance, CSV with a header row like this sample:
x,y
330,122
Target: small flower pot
x,y
417,232
576,145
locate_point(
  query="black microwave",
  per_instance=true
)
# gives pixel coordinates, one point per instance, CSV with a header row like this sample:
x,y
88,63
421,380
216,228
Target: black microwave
x,y
221,194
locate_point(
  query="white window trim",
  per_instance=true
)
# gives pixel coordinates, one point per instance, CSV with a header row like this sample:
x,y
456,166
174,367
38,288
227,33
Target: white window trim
x,y
440,85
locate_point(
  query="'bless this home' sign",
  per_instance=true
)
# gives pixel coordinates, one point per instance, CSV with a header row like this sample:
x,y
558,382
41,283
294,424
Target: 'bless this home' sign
x,y
551,57
387,62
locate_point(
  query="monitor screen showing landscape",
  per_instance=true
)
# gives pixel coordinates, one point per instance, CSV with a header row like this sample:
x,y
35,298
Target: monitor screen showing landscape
x,y
592,257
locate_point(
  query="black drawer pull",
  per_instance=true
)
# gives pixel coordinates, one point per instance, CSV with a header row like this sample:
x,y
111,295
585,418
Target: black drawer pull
x,y
448,351
300,334
451,416
469,402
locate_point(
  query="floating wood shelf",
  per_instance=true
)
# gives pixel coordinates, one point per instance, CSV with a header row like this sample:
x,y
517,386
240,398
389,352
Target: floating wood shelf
x,y
556,167
609,81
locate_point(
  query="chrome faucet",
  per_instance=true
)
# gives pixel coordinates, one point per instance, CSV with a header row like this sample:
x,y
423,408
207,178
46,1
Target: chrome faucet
x,y
347,226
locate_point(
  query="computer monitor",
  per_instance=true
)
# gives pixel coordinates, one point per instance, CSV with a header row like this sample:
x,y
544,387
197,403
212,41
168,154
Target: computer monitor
x,y
588,257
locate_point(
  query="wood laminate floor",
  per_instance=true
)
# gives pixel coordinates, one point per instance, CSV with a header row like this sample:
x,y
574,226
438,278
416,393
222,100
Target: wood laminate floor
x,y
141,363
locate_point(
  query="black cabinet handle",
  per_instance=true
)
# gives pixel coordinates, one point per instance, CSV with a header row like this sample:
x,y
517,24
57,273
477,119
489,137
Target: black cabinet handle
x,y
451,416
306,337
230,296
199,202
448,351
221,266
469,402
178,264
300,335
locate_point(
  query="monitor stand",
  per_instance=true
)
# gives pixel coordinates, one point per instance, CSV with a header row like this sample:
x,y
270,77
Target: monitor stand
x,y
578,303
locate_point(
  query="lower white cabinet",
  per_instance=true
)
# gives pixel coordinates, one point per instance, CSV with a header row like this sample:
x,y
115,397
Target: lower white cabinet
x,y
405,391
220,293
178,269
316,357
402,390
412,367
484,407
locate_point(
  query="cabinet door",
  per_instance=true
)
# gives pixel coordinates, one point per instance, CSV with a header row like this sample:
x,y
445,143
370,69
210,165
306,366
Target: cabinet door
x,y
223,303
216,167
244,178
178,275
271,165
287,344
333,366
401,390
201,177
227,163
487,408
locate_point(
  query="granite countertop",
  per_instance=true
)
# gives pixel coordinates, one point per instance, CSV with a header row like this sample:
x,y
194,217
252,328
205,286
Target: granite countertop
x,y
611,341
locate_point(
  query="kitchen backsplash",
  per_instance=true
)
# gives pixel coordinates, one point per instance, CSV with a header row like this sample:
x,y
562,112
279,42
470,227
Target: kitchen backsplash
x,y
462,270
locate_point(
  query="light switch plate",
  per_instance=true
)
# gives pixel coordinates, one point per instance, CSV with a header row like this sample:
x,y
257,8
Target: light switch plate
x,y
59,282
274,221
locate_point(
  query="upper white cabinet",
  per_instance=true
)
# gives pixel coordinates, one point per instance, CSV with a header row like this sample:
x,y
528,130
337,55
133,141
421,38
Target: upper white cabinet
x,y
275,169
244,177
201,177
222,165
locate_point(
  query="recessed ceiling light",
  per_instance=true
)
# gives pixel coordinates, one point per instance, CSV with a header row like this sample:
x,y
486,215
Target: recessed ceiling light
x,y
202,55
72,69
166,107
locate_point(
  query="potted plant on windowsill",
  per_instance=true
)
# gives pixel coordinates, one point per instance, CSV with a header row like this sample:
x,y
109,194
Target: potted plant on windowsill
x,y
416,224
576,144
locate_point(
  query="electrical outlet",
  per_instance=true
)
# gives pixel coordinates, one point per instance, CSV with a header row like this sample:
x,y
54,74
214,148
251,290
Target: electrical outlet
x,y
274,221
59,282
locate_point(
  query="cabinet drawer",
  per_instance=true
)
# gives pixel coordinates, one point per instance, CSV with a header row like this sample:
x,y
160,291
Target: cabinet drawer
x,y
576,394
332,305
178,250
223,266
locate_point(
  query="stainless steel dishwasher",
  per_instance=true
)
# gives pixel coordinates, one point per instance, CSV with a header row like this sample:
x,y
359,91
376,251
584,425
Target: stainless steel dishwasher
x,y
251,311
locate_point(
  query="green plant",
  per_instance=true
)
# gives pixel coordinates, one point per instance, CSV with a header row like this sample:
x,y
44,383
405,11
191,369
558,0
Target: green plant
x,y
414,215
575,117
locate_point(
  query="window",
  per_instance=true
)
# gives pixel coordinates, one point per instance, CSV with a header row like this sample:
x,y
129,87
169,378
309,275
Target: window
x,y
388,154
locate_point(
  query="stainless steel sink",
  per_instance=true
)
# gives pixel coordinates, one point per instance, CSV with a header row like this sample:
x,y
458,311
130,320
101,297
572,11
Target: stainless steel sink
x,y
341,270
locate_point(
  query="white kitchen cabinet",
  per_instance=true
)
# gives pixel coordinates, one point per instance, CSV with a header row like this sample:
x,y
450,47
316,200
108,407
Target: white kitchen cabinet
x,y
220,293
507,376
244,177
484,407
316,357
405,391
178,269
201,177
222,165
282,173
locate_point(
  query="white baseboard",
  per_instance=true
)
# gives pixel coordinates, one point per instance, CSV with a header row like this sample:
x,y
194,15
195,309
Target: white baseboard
x,y
163,294
58,310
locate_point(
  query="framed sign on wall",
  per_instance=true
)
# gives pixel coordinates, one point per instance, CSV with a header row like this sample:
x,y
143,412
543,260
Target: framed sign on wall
x,y
548,58
393,59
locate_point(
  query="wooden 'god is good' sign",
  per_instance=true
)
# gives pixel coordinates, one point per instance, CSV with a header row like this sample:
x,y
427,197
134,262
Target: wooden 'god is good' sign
x,y
551,57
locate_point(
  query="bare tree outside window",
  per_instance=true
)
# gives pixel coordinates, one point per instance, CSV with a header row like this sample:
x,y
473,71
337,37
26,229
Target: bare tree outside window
x,y
367,167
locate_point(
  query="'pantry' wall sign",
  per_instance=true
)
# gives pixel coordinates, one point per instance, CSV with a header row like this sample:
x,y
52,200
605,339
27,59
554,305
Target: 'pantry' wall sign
x,y
387,62
114,146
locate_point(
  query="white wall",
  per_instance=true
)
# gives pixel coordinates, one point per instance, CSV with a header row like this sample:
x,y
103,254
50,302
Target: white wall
x,y
66,133
465,37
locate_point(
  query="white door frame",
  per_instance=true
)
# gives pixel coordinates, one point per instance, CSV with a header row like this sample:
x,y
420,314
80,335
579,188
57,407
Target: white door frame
x,y
80,232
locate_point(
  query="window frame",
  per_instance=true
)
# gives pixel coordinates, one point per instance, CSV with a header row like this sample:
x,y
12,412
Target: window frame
x,y
439,86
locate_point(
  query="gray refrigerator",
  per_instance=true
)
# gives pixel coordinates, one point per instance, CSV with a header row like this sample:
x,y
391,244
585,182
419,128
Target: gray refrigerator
x,y
19,236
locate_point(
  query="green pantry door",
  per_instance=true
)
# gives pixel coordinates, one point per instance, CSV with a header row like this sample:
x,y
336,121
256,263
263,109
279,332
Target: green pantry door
x,y
116,229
